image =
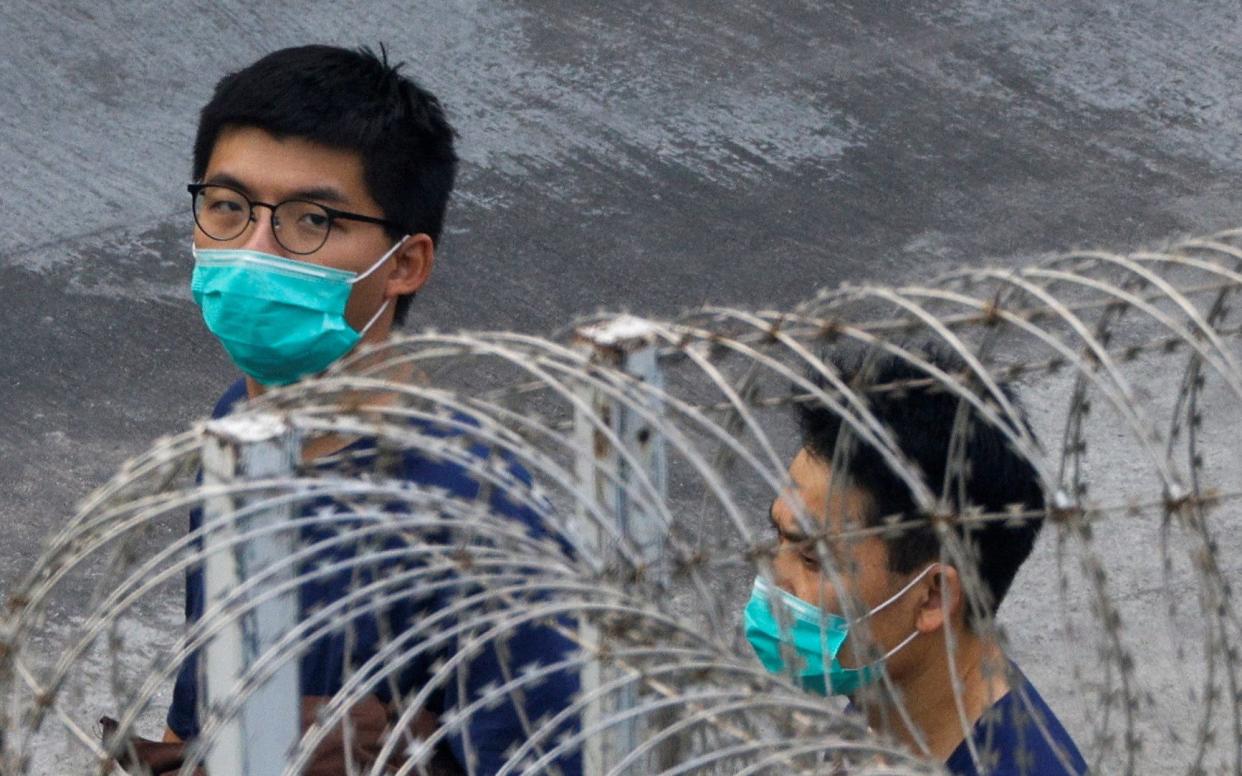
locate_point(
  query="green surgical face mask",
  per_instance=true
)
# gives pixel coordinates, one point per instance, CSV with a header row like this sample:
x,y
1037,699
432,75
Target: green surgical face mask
x,y
278,319
813,636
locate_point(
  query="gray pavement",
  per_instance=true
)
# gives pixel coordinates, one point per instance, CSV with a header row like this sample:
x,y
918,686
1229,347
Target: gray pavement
x,y
648,156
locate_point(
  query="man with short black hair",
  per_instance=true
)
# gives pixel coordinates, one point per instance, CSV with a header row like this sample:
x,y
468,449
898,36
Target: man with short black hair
x,y
324,157
321,179
857,603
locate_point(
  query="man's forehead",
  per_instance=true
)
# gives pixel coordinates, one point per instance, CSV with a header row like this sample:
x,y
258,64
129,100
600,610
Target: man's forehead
x,y
831,501
282,167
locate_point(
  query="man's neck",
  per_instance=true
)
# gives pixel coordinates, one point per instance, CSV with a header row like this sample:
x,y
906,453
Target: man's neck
x,y
930,702
314,448
321,446
254,388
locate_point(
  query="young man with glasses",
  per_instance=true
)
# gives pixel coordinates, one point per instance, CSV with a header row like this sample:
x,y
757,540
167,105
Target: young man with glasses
x,y
321,181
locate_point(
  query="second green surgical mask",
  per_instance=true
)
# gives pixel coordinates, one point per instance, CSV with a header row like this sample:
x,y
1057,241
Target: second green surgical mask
x,y
813,636
278,319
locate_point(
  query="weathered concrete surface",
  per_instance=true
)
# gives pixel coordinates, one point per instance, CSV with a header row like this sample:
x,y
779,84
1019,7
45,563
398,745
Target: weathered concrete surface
x,y
651,156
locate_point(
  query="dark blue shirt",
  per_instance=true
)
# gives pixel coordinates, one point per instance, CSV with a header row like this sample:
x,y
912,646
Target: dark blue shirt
x,y
492,730
1019,736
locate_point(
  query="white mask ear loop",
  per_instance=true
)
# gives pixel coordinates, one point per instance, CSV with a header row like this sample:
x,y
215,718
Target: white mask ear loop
x,y
374,318
379,262
883,658
902,645
374,267
895,596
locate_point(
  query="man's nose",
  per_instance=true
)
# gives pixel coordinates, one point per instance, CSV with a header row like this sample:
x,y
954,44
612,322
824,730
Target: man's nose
x,y
782,580
260,234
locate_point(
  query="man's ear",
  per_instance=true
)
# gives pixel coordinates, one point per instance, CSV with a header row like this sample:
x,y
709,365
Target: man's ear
x,y
411,266
941,599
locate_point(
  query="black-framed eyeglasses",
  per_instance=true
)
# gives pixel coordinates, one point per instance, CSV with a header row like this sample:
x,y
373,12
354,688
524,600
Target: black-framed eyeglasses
x,y
300,226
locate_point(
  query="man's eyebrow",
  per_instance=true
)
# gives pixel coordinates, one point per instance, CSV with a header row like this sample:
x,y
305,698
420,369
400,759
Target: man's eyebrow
x,y
794,537
320,193
224,179
316,193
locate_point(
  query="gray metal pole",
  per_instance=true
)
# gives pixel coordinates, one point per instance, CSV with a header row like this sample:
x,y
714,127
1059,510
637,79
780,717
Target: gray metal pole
x,y
257,740
628,345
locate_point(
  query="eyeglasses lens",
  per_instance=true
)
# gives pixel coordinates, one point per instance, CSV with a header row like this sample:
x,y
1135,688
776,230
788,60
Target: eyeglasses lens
x,y
223,214
302,227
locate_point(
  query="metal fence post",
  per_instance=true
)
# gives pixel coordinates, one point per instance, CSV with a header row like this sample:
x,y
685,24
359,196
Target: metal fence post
x,y
627,345
255,741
